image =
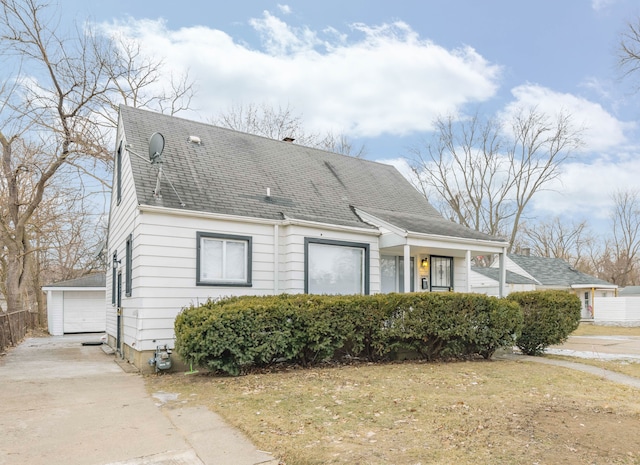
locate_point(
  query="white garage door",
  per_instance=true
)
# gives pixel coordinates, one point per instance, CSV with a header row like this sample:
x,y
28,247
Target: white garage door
x,y
84,311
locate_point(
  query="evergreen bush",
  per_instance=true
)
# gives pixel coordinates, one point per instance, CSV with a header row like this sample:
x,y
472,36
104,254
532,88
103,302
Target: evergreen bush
x,y
549,318
232,335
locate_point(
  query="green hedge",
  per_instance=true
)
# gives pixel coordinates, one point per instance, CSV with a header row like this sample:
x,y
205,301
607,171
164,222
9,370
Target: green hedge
x,y
234,334
549,318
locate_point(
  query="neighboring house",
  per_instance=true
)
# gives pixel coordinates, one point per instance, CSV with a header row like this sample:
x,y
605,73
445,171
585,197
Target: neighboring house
x,y
555,273
76,305
629,291
486,280
223,213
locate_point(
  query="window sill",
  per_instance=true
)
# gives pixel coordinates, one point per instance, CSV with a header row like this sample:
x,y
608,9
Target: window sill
x,y
223,284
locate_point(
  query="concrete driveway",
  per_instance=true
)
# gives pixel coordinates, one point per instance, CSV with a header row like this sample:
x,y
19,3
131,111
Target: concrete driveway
x,y
600,347
65,403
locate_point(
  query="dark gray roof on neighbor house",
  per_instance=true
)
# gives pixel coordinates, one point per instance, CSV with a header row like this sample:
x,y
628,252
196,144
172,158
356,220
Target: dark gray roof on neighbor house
x,y
90,280
229,172
629,290
555,272
494,273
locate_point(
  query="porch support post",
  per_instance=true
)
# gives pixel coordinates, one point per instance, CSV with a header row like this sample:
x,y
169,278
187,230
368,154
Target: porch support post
x,y
503,272
407,268
467,262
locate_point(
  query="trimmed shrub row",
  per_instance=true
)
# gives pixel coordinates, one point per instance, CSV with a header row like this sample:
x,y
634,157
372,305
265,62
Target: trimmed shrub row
x,y
235,334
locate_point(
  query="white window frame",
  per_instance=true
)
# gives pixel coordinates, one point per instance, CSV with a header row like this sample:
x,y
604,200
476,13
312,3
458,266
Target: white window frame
x,y
201,237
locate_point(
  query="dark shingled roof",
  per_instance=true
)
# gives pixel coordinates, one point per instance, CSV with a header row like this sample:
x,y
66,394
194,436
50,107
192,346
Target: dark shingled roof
x,y
229,173
629,290
90,280
554,271
494,273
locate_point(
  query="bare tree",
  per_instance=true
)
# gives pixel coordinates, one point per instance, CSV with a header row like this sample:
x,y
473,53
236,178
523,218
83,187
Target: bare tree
x,y
280,123
57,103
486,172
629,49
622,252
138,80
556,239
47,122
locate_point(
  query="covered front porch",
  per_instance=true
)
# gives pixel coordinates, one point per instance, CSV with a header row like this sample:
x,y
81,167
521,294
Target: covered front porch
x,y
415,263
425,252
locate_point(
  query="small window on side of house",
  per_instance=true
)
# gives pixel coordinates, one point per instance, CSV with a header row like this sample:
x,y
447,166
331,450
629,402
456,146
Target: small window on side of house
x,y
223,260
119,174
128,266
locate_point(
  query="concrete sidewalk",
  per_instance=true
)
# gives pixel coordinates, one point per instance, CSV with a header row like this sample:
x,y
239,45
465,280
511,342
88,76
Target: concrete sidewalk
x,y
62,402
591,347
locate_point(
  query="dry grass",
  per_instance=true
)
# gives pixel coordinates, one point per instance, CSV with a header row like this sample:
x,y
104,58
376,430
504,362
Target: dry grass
x,y
499,412
588,329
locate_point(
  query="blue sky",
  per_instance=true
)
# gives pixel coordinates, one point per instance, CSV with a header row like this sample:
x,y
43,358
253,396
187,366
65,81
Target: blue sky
x,y
380,71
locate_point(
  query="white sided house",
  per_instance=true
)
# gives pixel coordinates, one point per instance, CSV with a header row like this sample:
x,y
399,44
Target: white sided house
x,y
527,272
207,212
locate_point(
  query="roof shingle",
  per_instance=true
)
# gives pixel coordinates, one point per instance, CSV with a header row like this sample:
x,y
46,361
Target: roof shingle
x,y
229,173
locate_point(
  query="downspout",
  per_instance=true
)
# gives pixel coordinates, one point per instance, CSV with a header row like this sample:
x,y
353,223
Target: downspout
x,y
467,259
50,302
593,303
503,272
276,259
407,268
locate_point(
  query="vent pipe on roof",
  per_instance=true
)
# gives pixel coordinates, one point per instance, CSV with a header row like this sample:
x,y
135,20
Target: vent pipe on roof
x,y
268,192
288,139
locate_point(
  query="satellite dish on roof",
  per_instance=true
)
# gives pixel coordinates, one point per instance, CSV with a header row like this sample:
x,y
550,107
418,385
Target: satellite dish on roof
x,y
156,146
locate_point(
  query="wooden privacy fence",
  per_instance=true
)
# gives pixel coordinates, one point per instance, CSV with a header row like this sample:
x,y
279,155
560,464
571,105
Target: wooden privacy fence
x,y
14,326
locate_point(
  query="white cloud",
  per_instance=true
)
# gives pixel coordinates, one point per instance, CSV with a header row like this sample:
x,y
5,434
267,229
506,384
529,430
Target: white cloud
x,y
368,81
284,9
602,130
584,189
599,5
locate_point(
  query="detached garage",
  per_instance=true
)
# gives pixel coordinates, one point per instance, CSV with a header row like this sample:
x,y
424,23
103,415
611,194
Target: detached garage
x,y
77,305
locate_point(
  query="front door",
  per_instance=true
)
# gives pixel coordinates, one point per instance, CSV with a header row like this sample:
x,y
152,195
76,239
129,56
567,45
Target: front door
x,y
392,273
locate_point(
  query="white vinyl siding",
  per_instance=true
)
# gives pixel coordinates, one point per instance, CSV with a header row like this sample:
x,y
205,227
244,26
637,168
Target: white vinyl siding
x,y
292,265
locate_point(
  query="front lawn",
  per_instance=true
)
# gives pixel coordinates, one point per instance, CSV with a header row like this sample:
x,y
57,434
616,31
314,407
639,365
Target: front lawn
x,y
588,329
498,412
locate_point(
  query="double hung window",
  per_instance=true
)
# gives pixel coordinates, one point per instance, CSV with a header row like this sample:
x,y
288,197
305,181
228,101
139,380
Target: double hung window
x,y
223,260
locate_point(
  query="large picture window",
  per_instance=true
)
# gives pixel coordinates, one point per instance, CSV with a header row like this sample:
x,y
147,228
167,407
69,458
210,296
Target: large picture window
x,y
336,267
441,273
223,260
